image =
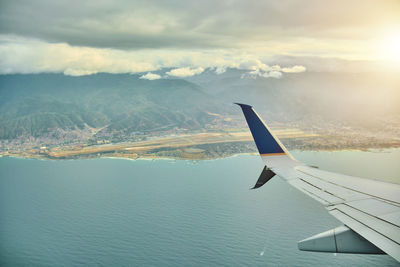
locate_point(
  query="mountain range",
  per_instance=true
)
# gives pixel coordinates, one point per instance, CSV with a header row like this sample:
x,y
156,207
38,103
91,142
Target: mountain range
x,y
36,104
56,106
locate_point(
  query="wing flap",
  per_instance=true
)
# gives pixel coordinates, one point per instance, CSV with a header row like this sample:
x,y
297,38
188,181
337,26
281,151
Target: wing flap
x,y
389,246
384,228
392,217
374,207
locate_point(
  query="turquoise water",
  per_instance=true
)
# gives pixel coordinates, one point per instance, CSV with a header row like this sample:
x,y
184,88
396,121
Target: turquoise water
x,y
115,212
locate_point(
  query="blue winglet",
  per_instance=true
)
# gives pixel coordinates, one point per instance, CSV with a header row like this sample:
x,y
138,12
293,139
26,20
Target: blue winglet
x,y
266,143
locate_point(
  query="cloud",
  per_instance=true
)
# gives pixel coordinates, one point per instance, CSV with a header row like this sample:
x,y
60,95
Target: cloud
x,y
131,36
317,64
220,70
137,24
265,74
78,72
294,69
28,55
272,74
20,55
150,76
259,69
185,72
252,64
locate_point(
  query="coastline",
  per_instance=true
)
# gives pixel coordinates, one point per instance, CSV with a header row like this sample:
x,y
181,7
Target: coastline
x,y
196,146
172,158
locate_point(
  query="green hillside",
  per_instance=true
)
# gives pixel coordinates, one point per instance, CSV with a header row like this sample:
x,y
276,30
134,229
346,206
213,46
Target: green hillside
x,y
34,105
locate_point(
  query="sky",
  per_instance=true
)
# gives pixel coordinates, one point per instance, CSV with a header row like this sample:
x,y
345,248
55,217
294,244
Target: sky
x,y
268,38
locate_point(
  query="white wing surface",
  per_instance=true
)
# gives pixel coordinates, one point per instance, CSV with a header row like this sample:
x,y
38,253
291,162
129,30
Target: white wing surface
x,y
369,209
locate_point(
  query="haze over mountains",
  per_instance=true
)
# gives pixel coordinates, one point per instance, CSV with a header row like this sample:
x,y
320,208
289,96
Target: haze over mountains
x,y
353,98
36,105
118,106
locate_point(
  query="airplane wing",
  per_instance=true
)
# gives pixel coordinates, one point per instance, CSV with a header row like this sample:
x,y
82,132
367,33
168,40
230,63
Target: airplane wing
x,y
369,209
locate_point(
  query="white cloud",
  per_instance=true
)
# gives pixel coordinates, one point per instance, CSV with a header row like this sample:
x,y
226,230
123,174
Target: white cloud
x,y
27,55
252,64
272,74
294,69
220,70
259,68
185,72
78,72
275,68
21,55
266,74
150,76
262,70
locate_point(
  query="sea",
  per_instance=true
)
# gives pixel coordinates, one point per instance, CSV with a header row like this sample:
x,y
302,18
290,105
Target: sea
x,y
118,212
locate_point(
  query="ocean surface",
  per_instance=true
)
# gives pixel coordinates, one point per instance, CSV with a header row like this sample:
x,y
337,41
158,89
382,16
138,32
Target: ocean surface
x,y
116,212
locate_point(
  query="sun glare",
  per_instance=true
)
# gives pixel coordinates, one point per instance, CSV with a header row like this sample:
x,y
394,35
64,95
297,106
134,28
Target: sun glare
x,y
390,47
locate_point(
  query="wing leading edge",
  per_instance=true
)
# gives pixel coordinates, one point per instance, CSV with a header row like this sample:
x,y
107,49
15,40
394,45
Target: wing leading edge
x,y
369,209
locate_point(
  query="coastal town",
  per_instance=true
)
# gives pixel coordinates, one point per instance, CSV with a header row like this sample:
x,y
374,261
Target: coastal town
x,y
195,145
